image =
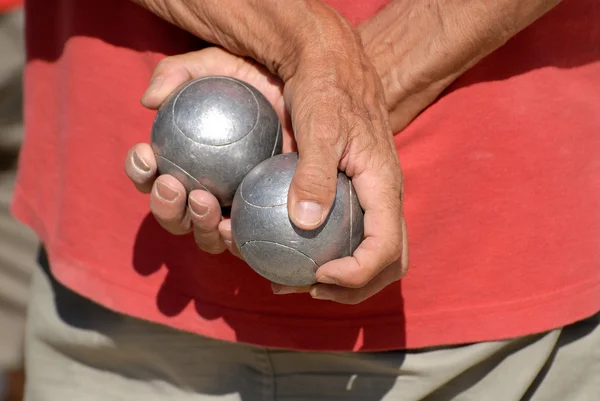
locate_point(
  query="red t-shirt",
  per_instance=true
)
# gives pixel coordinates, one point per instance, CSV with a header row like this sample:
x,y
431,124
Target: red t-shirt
x,y
6,5
502,191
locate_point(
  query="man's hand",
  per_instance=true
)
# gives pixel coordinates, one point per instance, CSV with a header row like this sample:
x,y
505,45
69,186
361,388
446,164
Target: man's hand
x,y
201,213
420,47
339,118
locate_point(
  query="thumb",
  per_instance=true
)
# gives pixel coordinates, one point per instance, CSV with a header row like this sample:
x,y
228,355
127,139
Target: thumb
x,y
313,187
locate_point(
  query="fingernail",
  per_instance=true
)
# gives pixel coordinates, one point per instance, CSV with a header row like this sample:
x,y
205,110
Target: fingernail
x,y
139,163
308,213
282,289
285,289
154,86
199,209
166,193
327,280
320,293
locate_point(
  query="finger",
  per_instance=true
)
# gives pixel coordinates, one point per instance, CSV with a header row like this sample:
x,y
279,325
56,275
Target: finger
x,y
140,167
353,296
171,72
380,195
205,213
313,187
227,236
168,204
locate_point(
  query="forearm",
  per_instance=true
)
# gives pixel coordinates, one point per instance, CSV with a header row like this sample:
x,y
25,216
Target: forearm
x,y
425,45
277,34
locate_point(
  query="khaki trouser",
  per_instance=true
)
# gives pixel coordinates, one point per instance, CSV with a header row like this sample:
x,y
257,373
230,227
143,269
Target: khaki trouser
x,y
17,243
77,350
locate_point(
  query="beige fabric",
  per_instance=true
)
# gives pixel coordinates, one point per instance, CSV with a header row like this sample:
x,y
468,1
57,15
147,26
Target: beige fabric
x,y
77,350
17,243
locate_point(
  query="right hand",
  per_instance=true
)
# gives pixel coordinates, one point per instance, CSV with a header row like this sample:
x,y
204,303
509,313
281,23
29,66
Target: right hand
x,y
339,116
201,214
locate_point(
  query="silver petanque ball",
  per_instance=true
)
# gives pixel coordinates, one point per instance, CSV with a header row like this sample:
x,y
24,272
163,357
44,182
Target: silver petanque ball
x,y
271,244
210,132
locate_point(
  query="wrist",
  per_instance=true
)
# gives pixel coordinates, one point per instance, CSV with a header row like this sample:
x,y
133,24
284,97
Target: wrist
x,y
316,36
277,34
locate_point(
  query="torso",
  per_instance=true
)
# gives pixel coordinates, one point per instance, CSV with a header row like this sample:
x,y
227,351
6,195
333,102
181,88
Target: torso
x,y
502,191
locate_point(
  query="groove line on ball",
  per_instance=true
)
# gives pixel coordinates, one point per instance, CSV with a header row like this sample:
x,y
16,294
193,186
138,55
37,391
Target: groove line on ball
x,y
242,84
281,245
279,134
183,172
257,119
255,205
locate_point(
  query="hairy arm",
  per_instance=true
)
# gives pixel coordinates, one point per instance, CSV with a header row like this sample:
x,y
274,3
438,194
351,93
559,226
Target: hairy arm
x,y
420,47
275,33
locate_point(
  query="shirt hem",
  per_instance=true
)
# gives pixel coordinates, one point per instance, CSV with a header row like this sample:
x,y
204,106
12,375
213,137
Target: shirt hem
x,y
413,331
